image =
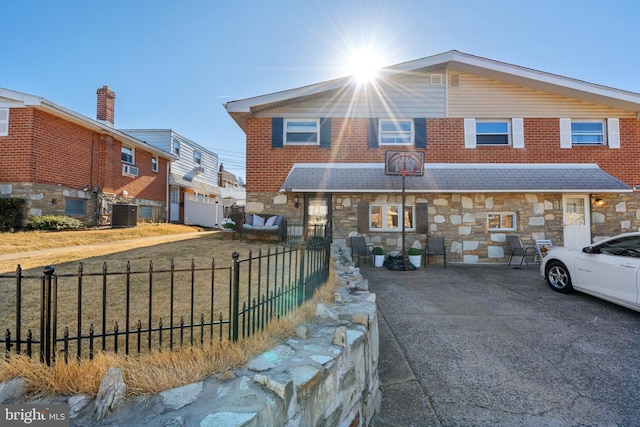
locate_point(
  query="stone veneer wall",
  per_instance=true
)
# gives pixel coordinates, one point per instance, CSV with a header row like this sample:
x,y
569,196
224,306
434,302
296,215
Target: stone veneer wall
x,y
327,375
462,219
42,199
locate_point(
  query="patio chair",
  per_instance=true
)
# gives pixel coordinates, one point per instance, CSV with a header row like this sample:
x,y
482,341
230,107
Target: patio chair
x,y
435,246
358,248
518,249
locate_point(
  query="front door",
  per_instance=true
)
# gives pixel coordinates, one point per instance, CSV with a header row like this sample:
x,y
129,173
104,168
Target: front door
x,y
318,215
174,206
576,220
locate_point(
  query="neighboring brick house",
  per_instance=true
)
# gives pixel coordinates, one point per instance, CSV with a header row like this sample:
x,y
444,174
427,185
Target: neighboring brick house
x,y
64,163
508,150
194,175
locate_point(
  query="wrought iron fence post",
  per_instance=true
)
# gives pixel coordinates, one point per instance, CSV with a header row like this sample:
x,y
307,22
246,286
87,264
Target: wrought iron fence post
x,y
45,312
236,295
301,280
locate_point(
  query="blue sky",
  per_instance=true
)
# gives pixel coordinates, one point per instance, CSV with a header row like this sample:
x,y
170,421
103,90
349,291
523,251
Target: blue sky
x,y
173,64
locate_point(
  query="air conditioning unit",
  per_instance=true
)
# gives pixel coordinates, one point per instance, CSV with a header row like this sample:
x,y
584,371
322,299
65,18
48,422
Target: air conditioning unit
x,y
199,170
129,170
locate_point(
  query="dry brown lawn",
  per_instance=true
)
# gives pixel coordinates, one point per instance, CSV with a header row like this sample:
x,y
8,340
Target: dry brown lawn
x,y
145,373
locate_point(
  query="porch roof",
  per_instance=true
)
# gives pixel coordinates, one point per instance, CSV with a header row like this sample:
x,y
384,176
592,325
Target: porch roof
x,y
454,178
193,184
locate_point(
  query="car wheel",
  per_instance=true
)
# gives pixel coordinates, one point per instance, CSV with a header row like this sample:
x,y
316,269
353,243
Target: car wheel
x,y
558,277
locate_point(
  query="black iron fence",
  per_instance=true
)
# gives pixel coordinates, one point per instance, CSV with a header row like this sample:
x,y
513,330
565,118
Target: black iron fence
x,y
51,315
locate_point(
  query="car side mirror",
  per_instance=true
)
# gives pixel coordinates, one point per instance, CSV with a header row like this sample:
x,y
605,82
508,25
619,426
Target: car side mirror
x,y
590,250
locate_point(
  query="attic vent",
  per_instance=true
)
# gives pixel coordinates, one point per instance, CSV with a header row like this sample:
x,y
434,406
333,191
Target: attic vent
x,y
436,79
454,80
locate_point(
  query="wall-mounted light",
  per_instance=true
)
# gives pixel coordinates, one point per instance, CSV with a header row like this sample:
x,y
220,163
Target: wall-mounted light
x,y
85,188
296,201
598,201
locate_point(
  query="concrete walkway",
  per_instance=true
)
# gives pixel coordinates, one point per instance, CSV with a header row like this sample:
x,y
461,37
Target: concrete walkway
x,y
494,346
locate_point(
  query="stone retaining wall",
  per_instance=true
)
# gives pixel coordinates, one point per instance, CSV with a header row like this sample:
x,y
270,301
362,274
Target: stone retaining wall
x,y
327,375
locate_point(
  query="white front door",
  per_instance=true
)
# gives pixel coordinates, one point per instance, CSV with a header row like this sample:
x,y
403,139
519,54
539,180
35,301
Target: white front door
x,y
174,208
576,220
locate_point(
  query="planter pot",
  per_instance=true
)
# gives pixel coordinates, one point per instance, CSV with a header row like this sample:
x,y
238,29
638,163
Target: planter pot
x,y
416,260
227,233
378,260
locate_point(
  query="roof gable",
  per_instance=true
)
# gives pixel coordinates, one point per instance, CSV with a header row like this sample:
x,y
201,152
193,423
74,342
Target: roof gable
x,y
452,61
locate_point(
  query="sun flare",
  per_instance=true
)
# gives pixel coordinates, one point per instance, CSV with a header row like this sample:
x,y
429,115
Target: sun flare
x,y
364,64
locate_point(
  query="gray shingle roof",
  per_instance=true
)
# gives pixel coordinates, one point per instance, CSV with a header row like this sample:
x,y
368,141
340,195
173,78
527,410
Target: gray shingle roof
x,y
359,177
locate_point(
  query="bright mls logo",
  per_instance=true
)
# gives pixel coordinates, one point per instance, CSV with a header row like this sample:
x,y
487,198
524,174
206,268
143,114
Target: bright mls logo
x,y
35,415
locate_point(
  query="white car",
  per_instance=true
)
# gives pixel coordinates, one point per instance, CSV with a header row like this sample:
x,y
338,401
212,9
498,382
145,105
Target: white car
x,y
609,269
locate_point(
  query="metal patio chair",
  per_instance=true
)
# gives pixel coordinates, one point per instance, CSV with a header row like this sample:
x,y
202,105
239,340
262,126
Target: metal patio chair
x,y
435,246
518,249
358,248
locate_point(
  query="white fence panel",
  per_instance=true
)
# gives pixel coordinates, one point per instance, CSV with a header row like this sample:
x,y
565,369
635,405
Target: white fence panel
x,y
204,212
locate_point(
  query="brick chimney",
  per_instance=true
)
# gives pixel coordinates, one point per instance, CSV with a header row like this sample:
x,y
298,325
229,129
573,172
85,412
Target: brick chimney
x,y
106,105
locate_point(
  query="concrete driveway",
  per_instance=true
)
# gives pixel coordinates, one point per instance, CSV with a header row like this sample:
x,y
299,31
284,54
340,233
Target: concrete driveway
x,y
494,346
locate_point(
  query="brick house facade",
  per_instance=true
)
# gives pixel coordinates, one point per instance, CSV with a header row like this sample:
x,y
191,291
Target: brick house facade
x,y
555,130
63,163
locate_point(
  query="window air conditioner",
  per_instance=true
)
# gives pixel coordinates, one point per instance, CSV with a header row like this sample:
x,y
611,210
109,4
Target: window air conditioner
x,y
199,170
129,170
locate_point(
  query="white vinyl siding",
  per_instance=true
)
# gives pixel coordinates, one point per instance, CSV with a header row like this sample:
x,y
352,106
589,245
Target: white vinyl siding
x,y
403,96
4,121
482,97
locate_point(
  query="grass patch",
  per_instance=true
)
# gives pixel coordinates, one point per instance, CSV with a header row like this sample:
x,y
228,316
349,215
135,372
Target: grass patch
x,y
148,372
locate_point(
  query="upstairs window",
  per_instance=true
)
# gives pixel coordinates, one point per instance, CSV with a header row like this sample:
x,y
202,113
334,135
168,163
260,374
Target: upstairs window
x,y
154,164
197,158
126,154
175,147
395,132
301,132
587,132
494,132
4,121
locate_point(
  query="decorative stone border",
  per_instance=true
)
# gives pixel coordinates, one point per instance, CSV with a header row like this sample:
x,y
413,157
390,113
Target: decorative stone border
x,y
326,375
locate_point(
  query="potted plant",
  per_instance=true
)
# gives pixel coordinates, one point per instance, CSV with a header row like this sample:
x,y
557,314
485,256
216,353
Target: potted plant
x,y
415,257
227,227
378,256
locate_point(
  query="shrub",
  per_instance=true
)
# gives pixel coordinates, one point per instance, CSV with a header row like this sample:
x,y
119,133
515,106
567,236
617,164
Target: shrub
x,y
378,251
413,251
54,222
10,213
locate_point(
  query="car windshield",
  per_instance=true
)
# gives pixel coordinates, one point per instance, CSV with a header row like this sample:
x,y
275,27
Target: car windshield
x,y
626,246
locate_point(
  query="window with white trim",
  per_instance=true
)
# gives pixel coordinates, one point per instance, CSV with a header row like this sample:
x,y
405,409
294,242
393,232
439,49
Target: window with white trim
x,y
587,132
197,157
395,132
493,132
384,217
175,147
127,155
502,221
4,121
154,164
297,132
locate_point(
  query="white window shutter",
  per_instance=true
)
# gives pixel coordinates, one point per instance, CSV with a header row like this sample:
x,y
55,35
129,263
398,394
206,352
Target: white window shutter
x,y
469,133
613,133
517,131
565,133
4,121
